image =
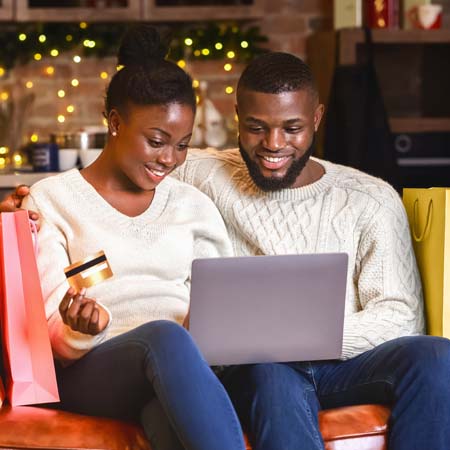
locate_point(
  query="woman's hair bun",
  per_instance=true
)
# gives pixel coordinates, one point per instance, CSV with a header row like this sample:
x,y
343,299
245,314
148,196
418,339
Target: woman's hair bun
x,y
141,45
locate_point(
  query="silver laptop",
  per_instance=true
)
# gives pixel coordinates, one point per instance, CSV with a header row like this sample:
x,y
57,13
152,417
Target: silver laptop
x,y
268,308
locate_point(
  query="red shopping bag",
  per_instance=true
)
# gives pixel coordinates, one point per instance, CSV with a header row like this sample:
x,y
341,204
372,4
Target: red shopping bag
x,y
30,371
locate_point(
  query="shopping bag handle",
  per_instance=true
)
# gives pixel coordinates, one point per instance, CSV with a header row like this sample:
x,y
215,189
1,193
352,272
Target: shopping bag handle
x,y
34,232
427,224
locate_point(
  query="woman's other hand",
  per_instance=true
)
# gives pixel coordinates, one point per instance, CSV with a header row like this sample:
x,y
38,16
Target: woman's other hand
x,y
83,314
13,201
186,321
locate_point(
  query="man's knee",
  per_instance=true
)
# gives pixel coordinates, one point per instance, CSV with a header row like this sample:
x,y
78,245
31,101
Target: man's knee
x,y
428,359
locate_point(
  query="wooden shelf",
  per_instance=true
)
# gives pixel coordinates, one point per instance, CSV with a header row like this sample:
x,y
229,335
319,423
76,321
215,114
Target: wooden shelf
x,y
152,12
351,37
73,14
136,10
6,10
419,124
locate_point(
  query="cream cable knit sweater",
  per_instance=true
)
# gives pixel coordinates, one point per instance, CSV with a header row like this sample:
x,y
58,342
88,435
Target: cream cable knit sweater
x,y
150,255
345,211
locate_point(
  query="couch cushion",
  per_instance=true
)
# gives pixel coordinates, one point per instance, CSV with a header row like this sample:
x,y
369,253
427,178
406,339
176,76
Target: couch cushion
x,y
361,427
26,427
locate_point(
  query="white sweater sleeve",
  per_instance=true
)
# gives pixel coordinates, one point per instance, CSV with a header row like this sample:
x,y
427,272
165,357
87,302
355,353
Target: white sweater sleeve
x,y
388,285
52,257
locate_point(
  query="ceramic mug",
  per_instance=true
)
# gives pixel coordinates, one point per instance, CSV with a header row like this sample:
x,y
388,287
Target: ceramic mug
x,y
426,17
67,158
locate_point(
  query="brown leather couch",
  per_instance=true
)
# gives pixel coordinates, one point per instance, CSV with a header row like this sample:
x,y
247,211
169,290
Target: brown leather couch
x,y
27,427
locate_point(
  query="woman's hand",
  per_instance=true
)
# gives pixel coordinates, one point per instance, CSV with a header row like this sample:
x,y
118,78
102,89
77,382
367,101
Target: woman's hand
x,y
13,201
83,314
186,321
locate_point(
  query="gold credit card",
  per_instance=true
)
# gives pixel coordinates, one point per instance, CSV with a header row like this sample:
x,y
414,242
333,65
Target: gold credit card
x,y
88,272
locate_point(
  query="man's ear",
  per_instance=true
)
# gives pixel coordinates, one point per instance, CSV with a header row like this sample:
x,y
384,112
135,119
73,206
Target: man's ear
x,y
318,114
236,109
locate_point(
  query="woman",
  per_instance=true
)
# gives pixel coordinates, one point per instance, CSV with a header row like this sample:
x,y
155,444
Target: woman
x,y
119,345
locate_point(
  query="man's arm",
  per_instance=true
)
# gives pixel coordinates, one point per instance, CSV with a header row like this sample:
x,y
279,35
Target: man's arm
x,y
387,282
13,202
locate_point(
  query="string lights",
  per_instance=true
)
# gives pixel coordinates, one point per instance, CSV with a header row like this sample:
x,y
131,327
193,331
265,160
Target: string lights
x,y
47,42
204,41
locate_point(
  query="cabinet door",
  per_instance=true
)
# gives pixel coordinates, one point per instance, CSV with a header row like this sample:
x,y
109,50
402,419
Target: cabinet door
x,y
6,10
182,10
78,10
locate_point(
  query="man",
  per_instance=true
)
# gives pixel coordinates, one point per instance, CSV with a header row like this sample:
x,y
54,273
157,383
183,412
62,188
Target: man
x,y
277,199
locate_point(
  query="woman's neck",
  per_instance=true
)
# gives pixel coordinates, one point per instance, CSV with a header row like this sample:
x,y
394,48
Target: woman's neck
x,y
115,187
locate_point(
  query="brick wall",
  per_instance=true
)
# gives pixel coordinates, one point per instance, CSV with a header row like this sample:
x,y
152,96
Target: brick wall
x,y
287,23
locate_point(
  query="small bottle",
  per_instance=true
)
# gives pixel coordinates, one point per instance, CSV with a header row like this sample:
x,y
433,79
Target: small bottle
x,y
382,13
44,157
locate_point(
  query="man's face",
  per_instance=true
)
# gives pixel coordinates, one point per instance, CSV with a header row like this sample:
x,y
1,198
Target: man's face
x,y
276,133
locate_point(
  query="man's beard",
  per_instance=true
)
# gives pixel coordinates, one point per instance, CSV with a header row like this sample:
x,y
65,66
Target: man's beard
x,y
270,184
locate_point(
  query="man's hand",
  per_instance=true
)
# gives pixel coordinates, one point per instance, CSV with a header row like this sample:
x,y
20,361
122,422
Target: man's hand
x,y
14,201
83,314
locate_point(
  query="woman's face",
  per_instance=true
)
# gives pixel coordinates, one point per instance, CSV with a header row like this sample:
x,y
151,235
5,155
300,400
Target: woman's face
x,y
150,141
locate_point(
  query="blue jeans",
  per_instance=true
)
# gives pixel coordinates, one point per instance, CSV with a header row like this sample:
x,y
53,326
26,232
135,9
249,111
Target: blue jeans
x,y
152,369
279,403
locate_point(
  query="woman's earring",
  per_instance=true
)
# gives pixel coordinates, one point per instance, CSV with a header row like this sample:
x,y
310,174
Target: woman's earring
x,y
114,133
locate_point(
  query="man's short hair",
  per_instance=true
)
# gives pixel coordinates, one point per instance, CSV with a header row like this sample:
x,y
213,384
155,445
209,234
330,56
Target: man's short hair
x,y
275,73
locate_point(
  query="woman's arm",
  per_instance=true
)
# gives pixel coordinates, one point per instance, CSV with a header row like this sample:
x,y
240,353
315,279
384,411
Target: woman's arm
x,y
68,321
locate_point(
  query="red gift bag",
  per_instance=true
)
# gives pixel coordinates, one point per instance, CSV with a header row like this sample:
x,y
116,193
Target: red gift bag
x,y
30,371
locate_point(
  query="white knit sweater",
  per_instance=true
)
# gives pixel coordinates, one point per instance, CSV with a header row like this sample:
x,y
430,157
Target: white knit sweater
x,y
345,211
150,255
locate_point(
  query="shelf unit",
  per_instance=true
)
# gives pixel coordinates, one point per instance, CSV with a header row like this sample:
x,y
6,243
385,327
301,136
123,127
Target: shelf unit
x,y
154,12
6,10
133,10
104,13
413,68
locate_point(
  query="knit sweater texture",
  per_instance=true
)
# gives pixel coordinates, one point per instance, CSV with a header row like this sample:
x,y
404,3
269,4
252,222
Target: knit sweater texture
x,y
150,254
344,211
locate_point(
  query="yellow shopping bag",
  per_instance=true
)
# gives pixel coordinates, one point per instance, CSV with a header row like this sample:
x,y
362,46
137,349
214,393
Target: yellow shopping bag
x,y
429,219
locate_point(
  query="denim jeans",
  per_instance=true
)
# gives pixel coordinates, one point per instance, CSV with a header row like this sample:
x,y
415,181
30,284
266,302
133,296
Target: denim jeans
x,y
154,369
279,403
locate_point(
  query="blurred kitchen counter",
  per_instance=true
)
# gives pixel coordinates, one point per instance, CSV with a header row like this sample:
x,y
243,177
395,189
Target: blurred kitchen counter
x,y
10,180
